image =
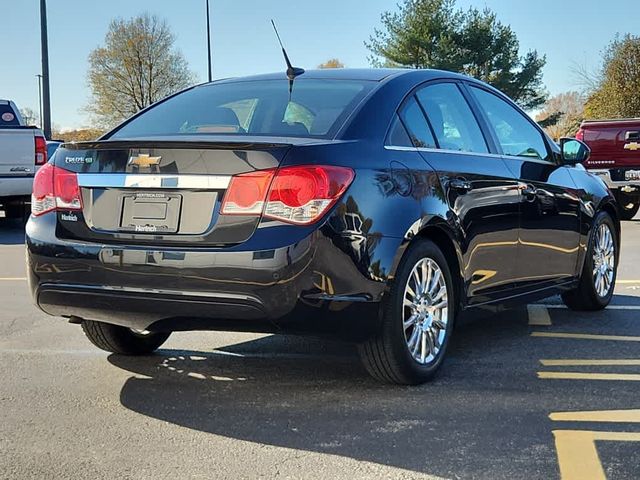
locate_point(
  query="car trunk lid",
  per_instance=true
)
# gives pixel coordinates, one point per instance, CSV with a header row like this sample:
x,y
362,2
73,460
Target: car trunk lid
x,y
163,192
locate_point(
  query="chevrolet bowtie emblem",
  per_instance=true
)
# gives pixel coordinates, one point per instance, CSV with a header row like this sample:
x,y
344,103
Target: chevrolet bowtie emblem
x,y
144,160
633,146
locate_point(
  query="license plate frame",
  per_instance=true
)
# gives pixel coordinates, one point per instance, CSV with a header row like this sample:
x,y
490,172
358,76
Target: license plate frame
x,y
155,213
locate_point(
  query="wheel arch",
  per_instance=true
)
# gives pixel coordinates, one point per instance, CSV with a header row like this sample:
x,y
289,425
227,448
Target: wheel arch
x,y
439,232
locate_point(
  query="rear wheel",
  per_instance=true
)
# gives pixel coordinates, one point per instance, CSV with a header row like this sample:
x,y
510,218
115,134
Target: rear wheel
x,y
417,320
123,340
598,278
627,206
629,210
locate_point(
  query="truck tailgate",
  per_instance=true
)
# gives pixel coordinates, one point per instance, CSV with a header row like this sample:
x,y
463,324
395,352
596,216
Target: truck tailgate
x,y
17,152
614,144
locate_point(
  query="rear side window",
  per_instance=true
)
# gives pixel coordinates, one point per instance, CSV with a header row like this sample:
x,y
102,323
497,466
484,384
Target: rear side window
x,y
516,135
413,118
451,118
398,135
316,108
7,116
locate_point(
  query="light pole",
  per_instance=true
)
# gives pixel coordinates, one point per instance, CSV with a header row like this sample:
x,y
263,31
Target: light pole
x,y
46,99
40,97
208,40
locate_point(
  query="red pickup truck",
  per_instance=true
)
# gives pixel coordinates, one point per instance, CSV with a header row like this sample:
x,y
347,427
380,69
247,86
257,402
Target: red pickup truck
x,y
615,157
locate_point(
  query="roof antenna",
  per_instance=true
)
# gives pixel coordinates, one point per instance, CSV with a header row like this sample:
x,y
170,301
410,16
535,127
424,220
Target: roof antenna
x,y
292,72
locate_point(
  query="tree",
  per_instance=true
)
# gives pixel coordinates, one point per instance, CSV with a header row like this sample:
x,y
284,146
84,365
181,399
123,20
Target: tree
x,y
434,34
137,66
79,135
332,63
29,116
616,96
562,114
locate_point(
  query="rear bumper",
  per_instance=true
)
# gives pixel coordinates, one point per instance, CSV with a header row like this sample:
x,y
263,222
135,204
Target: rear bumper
x,y
311,284
626,186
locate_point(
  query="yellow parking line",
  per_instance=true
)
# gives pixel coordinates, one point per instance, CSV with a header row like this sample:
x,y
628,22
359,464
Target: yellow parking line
x,y
577,454
620,416
538,315
12,279
590,363
626,377
628,282
586,336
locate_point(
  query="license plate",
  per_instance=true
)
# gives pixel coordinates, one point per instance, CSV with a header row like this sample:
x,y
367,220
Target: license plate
x,y
632,175
155,213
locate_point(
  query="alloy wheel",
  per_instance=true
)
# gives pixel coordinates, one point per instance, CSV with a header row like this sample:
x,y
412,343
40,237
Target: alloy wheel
x,y
603,260
425,311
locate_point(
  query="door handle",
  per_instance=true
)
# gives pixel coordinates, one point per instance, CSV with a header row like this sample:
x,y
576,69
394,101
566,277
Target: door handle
x,y
460,184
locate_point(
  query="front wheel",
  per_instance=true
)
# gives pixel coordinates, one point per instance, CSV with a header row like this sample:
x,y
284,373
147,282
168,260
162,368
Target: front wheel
x,y
417,320
598,278
123,340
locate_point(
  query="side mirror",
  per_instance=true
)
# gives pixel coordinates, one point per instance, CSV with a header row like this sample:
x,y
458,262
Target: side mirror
x,y
574,151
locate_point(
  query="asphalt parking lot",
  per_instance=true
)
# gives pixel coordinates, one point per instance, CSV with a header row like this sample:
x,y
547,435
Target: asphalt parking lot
x,y
531,393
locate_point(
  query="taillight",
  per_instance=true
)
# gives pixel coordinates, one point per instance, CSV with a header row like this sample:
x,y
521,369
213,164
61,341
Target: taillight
x,y
299,195
41,150
580,135
247,192
55,189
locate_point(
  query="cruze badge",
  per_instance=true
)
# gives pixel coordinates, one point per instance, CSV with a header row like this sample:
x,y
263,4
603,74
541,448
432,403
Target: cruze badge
x,y
144,160
633,146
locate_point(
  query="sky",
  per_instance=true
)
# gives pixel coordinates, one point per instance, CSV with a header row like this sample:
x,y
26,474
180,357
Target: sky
x,y
568,32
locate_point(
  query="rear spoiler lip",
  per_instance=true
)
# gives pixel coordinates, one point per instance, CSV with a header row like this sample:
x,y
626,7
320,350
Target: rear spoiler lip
x,y
200,142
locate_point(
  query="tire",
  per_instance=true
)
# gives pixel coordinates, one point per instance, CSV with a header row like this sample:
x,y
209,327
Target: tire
x,y
628,205
122,340
628,211
587,297
386,355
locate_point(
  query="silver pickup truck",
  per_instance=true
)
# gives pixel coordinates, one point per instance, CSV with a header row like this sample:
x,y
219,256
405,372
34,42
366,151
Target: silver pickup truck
x,y
23,149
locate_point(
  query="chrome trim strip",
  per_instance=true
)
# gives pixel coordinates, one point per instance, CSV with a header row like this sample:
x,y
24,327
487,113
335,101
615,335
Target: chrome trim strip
x,y
400,149
441,150
124,180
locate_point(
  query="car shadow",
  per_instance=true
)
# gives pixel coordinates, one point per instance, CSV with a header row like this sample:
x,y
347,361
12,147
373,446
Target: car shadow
x,y
313,395
11,231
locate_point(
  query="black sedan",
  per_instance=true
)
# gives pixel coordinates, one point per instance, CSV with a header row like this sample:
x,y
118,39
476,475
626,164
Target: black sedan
x,y
371,204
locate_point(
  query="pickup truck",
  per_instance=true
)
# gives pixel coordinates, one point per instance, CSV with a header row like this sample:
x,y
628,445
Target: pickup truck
x,y
615,157
23,149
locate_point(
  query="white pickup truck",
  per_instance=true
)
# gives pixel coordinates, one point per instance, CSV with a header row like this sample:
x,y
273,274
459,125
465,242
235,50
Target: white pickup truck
x,y
23,149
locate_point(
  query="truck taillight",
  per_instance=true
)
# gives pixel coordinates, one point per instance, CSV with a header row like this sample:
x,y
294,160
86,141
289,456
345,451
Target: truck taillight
x,y
55,189
580,135
41,150
298,194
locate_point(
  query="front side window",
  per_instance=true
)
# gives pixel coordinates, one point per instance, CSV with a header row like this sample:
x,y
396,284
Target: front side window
x,y
316,108
451,118
516,135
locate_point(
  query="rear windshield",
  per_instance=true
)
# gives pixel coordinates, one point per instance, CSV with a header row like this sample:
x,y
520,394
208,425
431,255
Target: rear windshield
x,y
7,116
317,108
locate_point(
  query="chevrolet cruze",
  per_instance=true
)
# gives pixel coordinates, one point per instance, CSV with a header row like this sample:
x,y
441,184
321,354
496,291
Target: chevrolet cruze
x,y
371,204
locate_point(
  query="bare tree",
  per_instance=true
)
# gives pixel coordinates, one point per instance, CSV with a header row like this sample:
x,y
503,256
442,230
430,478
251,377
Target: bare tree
x,y
29,116
562,114
137,66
